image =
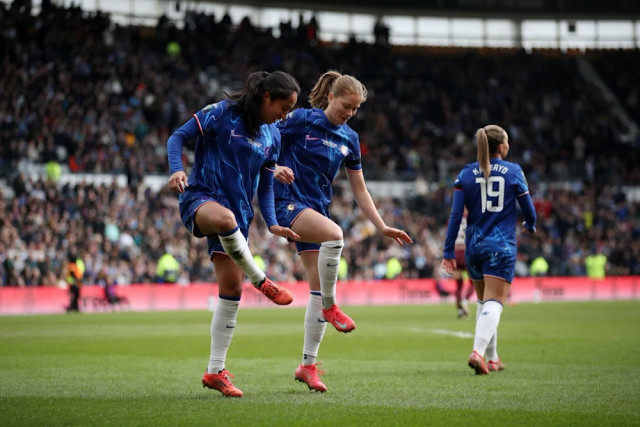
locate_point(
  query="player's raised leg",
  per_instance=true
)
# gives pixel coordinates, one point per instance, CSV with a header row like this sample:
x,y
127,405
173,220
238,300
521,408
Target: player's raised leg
x,y
214,219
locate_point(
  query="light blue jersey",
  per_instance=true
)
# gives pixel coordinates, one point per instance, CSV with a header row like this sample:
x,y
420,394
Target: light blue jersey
x,y
315,149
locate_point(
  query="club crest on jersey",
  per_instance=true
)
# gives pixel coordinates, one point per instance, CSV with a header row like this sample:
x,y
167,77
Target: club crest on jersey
x,y
291,206
344,150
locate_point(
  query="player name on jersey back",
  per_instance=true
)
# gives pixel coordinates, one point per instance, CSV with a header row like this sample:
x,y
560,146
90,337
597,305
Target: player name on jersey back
x,y
494,167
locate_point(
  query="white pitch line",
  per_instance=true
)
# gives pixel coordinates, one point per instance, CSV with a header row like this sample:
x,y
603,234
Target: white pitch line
x,y
457,334
452,333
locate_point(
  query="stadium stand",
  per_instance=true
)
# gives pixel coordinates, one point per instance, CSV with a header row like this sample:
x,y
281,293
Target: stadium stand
x,y
89,96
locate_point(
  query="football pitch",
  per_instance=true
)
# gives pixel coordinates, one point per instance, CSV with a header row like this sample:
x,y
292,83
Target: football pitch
x,y
567,364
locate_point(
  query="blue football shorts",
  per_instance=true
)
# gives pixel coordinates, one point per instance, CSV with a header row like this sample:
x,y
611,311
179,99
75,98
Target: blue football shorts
x,y
189,204
286,214
491,263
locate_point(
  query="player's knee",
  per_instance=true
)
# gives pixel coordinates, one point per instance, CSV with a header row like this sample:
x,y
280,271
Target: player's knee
x,y
225,221
335,235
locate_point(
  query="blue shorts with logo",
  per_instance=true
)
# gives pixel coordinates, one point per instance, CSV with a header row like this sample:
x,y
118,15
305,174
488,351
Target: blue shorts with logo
x,y
286,214
189,204
491,263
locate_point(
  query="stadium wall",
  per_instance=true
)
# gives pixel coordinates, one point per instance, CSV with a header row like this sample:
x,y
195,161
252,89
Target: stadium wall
x,y
399,189
203,296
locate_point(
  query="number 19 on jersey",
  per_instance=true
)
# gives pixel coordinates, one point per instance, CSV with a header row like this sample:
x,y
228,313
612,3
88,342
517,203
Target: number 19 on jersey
x,y
491,193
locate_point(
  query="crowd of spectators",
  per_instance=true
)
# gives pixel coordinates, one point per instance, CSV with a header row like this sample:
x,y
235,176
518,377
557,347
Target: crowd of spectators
x,y
97,97
121,233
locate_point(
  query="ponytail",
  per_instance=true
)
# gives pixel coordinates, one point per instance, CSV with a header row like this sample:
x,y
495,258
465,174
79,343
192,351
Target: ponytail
x,y
483,152
320,92
339,84
488,139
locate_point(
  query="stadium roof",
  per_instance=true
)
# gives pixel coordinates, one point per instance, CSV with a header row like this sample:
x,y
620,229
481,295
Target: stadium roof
x,y
627,9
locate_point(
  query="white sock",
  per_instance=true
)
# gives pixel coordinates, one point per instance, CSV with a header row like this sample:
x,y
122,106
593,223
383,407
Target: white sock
x,y
487,325
235,245
328,265
314,327
222,326
492,348
479,310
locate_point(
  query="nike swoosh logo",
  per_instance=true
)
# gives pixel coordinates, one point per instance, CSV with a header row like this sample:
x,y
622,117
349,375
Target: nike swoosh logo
x,y
331,265
310,138
230,327
321,320
342,325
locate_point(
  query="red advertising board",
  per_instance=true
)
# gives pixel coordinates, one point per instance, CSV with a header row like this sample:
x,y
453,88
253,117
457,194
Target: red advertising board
x,y
203,296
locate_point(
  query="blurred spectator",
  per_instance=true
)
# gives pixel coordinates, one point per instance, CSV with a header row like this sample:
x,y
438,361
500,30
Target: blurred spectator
x,y
168,269
596,265
73,276
381,32
539,267
343,270
394,268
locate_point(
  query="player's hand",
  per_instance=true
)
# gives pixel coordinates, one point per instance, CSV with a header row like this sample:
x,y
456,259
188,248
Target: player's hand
x,y
283,232
284,174
524,228
398,235
178,182
449,265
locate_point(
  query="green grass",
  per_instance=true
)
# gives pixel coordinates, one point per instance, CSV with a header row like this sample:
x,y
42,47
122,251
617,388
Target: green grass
x,y
567,364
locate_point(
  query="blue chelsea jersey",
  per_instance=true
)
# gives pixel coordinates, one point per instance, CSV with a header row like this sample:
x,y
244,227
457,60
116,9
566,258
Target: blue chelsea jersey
x,y
491,203
227,162
315,149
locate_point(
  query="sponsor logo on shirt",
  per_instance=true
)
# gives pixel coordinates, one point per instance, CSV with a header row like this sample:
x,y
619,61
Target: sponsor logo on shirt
x,y
310,138
344,150
254,142
329,144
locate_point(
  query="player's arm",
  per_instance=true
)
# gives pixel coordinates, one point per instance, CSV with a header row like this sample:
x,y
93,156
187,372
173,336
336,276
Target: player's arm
x,y
363,197
528,211
455,218
524,200
290,128
178,179
267,204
